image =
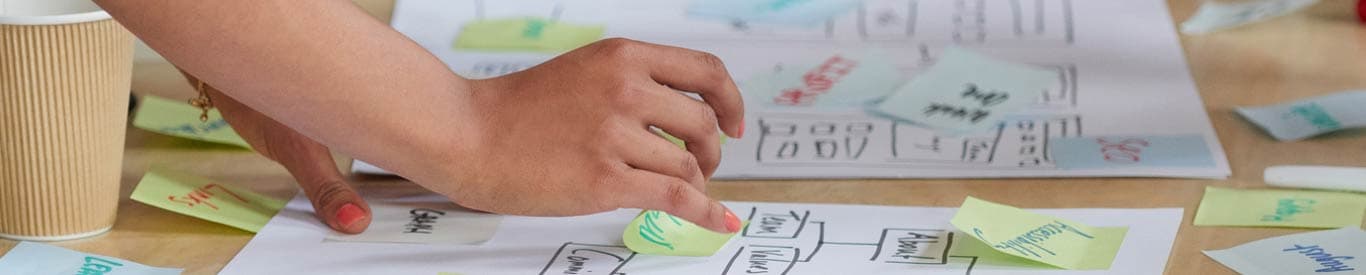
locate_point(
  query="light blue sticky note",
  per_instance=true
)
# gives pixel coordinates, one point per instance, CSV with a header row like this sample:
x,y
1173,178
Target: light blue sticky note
x,y
1130,151
965,92
1309,117
839,80
37,258
1340,251
807,13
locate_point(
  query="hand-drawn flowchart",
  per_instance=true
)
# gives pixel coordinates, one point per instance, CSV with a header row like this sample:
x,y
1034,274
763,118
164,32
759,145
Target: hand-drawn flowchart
x,y
1119,69
781,238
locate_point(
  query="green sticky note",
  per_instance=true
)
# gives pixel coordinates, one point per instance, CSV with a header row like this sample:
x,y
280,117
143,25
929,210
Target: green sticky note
x,y
179,119
679,142
1280,208
525,34
658,233
1040,238
206,199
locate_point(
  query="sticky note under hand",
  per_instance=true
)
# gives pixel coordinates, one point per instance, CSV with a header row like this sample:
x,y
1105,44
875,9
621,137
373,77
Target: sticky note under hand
x,y
206,199
38,258
1130,151
428,219
1340,251
179,119
658,233
1050,240
1309,117
1216,15
966,91
840,80
1279,208
525,34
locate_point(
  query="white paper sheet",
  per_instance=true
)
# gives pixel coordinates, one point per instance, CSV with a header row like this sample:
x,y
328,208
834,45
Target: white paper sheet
x,y
426,219
1119,65
825,239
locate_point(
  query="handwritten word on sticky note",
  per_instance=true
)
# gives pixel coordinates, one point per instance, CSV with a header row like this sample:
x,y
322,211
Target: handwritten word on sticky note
x,y
1130,151
804,13
966,91
37,258
206,199
1339,251
1280,208
427,219
839,80
1214,15
1050,240
179,119
658,233
1310,117
525,34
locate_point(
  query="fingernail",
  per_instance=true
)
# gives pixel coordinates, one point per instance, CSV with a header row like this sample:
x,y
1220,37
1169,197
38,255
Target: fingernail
x,y
732,222
741,134
349,214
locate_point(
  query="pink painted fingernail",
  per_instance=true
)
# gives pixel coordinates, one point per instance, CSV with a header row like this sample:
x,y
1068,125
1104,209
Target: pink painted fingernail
x,y
732,222
349,214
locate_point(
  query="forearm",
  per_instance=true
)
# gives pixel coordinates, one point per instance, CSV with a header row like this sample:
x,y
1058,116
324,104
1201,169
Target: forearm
x,y
324,68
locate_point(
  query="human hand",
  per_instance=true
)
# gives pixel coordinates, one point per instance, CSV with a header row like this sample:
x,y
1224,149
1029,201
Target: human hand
x,y
334,201
572,136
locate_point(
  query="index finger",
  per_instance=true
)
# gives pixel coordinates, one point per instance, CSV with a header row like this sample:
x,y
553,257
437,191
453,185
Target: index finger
x,y
701,73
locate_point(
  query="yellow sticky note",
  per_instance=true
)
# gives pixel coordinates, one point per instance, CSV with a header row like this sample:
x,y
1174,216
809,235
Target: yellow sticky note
x,y
179,119
658,233
525,34
1040,238
1280,208
206,199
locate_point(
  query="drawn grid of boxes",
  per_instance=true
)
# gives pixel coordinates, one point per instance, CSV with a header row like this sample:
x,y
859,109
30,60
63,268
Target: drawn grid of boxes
x,y
791,241
963,22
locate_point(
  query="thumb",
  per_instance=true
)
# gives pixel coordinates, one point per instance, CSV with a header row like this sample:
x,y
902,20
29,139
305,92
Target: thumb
x,y
338,205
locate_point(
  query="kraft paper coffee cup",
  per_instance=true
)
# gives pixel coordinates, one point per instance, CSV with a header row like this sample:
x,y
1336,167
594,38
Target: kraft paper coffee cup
x,y
65,69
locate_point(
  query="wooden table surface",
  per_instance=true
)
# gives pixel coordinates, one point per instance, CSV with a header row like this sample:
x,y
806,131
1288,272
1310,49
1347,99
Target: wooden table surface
x,y
1311,53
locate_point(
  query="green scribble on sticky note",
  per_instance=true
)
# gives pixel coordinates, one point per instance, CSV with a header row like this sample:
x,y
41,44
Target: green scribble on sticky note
x,y
658,233
525,34
179,119
1040,238
1280,208
206,199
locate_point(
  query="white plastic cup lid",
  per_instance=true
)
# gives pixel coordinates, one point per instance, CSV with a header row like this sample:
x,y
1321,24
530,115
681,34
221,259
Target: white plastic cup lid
x,y
49,12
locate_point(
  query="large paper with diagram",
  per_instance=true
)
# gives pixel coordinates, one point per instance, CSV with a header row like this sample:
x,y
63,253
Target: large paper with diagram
x,y
1115,68
781,238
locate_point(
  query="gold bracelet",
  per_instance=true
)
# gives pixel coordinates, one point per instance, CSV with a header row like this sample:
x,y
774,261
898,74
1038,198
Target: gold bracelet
x,y
203,102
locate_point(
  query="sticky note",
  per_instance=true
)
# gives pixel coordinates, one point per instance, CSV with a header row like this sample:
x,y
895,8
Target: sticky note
x,y
1339,251
179,119
679,141
427,220
840,80
1215,15
1189,151
658,233
38,258
1309,117
966,91
206,199
525,34
802,13
1280,208
1049,240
